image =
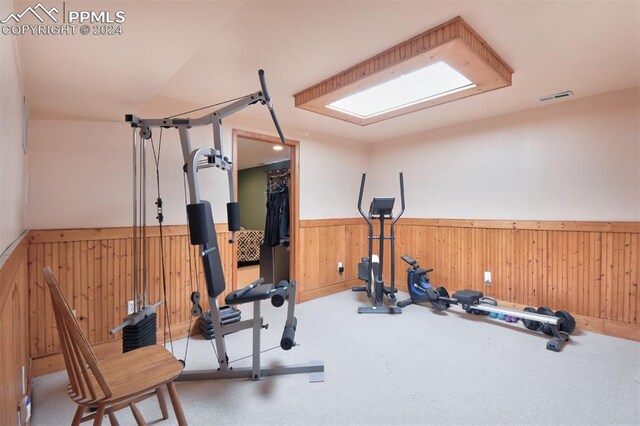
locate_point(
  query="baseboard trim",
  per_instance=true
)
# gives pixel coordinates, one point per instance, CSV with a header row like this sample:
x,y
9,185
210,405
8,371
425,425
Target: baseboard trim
x,y
326,290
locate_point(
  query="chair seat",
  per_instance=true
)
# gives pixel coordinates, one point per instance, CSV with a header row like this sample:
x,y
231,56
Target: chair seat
x,y
116,382
135,373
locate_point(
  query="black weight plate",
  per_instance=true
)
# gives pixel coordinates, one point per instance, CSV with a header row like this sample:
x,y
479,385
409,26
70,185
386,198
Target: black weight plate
x,y
568,324
530,324
546,328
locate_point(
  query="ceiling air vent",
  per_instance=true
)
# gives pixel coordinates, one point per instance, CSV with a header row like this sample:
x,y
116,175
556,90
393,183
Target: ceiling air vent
x,y
556,96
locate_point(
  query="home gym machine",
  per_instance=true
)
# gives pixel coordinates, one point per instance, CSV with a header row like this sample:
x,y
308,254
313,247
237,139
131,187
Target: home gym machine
x,y
558,324
202,233
370,268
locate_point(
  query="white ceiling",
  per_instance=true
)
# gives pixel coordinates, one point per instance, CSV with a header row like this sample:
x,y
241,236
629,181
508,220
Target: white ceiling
x,y
174,55
253,153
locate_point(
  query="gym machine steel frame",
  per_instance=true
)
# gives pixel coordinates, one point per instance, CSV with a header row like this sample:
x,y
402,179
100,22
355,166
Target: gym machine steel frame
x,y
202,233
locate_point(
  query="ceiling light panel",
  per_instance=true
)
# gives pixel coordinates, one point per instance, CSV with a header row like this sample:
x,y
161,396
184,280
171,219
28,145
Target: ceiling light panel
x,y
430,82
446,63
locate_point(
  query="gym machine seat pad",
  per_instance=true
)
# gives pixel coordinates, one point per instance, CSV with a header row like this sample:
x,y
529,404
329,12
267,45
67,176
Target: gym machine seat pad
x,y
260,292
468,297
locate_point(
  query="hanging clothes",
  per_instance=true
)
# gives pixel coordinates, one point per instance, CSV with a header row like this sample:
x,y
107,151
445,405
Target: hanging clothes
x,y
283,228
276,230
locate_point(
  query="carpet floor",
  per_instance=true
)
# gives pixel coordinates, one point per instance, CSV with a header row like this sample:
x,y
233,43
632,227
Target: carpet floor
x,y
418,368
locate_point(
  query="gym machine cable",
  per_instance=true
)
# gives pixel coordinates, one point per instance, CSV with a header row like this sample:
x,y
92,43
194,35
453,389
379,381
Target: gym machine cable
x,y
203,234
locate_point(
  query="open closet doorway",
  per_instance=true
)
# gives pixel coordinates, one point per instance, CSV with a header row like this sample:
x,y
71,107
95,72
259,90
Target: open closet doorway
x,y
267,190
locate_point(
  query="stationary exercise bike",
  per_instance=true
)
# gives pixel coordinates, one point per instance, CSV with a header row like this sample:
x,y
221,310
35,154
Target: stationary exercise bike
x,y
558,324
370,268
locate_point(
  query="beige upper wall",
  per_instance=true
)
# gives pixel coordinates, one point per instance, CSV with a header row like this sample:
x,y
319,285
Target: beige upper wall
x,y
575,160
12,157
81,174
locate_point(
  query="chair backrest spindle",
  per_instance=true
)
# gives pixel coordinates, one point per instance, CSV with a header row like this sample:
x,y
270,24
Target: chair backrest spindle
x,y
80,360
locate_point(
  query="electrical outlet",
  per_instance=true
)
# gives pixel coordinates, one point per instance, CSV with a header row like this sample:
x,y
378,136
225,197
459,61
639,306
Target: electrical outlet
x,y
130,307
340,267
487,278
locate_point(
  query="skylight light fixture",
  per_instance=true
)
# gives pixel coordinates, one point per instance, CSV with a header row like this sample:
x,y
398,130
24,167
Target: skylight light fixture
x,y
430,82
444,64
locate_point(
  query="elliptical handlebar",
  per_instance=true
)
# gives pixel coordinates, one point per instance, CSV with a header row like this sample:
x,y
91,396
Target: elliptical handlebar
x,y
362,181
395,219
267,102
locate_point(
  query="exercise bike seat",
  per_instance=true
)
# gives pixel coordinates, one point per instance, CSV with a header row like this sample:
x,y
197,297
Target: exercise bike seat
x,y
468,297
260,292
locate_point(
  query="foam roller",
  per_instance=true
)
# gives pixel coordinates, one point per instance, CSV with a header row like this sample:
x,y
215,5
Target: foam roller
x,y
288,335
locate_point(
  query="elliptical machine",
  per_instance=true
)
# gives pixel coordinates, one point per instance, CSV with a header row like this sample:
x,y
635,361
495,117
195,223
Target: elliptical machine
x,y
370,268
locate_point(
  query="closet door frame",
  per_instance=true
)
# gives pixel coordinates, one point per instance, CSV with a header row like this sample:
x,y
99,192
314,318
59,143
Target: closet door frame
x,y
294,199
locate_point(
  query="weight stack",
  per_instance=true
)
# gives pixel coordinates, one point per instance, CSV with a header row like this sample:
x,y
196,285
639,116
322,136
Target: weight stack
x,y
228,315
139,335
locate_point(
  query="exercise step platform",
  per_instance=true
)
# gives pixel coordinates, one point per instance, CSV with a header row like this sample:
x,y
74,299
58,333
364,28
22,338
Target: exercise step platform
x,y
228,315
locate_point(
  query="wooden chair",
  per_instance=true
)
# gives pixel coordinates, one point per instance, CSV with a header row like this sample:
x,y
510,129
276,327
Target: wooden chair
x,y
114,383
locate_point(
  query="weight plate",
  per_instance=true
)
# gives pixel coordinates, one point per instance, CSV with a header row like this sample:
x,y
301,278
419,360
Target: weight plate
x,y
568,324
546,328
530,324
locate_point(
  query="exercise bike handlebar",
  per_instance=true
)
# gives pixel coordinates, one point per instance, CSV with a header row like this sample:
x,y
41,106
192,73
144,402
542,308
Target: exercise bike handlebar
x,y
267,102
362,181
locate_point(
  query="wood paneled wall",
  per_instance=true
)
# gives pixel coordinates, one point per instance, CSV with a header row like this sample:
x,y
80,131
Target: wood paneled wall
x,y
94,267
324,243
591,269
14,331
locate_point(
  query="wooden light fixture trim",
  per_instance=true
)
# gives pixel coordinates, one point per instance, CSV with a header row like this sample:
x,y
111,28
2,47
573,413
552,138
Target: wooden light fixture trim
x,y
453,42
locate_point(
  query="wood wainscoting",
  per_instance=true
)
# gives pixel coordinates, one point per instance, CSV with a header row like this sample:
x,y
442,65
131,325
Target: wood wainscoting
x,y
591,269
324,243
15,369
93,267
